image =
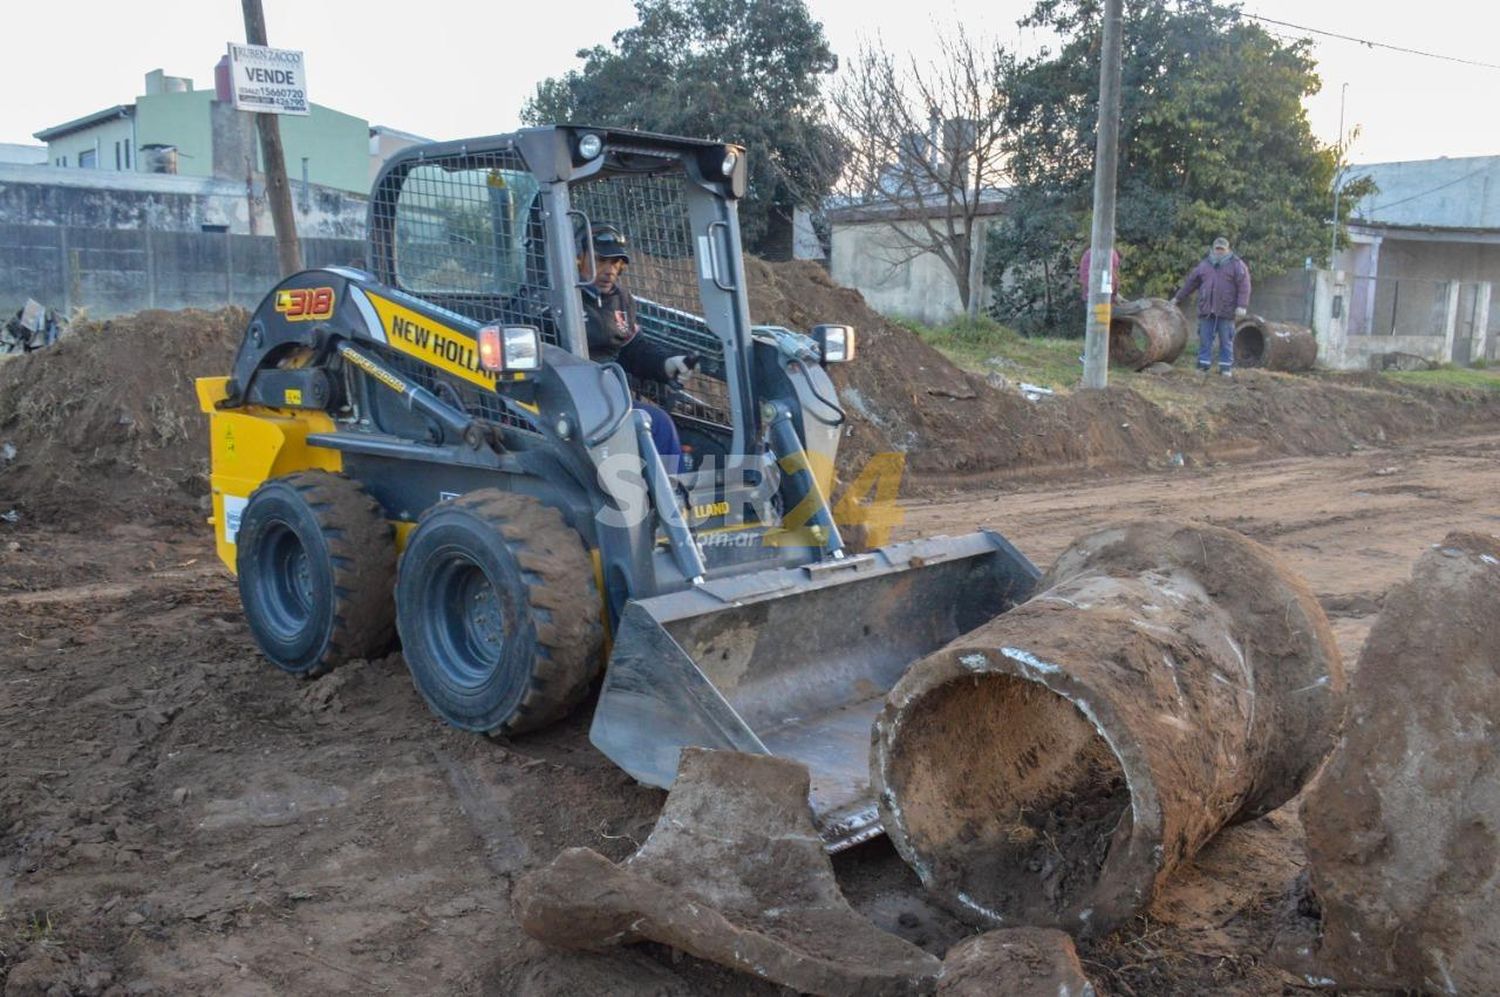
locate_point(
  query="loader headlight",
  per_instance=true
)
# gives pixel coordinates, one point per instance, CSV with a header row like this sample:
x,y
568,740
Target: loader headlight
x,y
835,342
590,145
510,349
731,160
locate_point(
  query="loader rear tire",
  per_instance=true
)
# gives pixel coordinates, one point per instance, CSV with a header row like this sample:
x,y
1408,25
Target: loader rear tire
x,y
315,558
499,613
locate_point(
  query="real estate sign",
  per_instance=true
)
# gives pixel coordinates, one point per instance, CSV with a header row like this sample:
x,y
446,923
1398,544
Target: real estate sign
x,y
268,80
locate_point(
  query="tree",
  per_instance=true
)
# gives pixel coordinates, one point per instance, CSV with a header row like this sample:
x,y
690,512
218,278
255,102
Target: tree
x,y
1213,141
924,150
747,71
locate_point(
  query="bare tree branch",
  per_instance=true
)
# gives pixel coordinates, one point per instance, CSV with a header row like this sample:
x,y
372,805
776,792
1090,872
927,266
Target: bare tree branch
x,y
924,145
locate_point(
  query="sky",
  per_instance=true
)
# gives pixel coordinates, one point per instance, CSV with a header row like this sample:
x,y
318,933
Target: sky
x,y
455,68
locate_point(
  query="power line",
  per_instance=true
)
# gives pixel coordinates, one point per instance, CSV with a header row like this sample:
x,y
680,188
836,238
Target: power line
x,y
1377,206
1368,43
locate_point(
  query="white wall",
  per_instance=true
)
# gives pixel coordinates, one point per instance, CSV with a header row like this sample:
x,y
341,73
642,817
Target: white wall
x,y
102,137
873,259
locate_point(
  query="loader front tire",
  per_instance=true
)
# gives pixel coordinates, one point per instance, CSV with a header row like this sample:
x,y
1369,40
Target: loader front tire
x,y
315,558
499,613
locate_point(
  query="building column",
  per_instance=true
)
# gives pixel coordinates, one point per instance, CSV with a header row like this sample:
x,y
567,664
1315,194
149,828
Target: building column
x,y
1480,348
1330,317
1450,321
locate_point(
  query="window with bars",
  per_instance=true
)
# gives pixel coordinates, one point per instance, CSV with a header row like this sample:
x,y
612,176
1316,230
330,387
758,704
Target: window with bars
x,y
465,232
468,236
650,208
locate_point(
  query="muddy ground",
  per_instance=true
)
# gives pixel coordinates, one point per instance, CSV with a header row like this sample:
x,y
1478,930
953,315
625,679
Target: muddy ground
x,y
178,817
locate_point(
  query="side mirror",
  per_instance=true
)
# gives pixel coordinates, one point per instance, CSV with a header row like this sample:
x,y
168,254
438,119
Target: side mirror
x,y
835,342
510,350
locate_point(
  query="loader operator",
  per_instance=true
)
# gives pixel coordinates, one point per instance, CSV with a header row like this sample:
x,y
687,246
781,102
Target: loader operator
x,y
614,336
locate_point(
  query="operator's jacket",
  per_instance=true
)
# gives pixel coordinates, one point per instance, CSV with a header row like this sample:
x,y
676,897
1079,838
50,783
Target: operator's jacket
x,y
1222,287
614,337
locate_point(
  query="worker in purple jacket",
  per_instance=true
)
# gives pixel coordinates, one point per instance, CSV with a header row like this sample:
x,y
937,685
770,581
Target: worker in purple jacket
x,y
1223,284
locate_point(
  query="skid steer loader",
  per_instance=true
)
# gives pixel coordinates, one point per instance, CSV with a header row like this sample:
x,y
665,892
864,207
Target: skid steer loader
x,y
421,446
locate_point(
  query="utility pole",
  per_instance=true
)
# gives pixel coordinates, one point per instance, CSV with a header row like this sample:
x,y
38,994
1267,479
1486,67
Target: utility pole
x,y
1101,289
278,192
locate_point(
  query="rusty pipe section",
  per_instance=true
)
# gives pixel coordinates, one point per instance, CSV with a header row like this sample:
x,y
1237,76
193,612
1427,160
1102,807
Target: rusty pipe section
x,y
1055,765
1274,345
1144,332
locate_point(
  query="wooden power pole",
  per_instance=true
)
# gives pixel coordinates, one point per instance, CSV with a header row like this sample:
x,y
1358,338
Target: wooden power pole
x,y
1101,289
278,192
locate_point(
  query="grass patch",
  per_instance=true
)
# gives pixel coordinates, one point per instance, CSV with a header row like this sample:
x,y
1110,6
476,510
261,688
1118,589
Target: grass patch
x,y
1449,376
985,346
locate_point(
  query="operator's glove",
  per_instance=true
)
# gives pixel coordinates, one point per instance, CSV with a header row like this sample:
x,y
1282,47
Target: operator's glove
x,y
676,367
1239,313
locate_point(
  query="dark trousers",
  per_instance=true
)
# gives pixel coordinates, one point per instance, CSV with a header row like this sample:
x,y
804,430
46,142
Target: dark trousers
x,y
663,434
1211,327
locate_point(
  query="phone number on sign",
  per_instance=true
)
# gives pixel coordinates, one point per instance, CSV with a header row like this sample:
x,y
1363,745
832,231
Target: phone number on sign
x,y
296,96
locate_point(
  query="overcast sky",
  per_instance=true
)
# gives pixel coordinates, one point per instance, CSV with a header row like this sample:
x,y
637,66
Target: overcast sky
x,y
454,68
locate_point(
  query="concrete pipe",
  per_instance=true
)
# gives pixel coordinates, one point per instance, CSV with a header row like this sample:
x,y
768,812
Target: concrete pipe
x,y
1144,332
1052,767
1273,345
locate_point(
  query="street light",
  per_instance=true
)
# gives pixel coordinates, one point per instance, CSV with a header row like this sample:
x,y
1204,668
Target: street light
x,y
1333,237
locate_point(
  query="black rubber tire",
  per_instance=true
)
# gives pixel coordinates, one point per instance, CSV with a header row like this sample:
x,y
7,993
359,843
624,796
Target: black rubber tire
x,y
498,612
316,560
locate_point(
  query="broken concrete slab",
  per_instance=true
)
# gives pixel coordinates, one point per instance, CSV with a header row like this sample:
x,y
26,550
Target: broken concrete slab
x,y
1403,826
1016,962
734,872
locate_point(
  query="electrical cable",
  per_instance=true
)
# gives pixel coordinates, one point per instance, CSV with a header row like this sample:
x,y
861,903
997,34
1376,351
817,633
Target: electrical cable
x,y
1236,12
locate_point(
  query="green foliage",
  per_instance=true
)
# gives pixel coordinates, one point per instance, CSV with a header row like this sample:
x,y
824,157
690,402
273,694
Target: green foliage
x,y
746,71
1449,376
1213,141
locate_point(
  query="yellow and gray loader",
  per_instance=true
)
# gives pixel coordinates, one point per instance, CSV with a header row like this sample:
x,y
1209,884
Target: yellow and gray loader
x,y
422,449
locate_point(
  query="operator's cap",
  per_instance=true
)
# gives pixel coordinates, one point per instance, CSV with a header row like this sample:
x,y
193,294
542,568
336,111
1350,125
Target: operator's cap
x,y
1221,243
610,243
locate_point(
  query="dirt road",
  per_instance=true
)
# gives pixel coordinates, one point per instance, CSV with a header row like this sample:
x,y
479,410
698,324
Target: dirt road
x,y
178,817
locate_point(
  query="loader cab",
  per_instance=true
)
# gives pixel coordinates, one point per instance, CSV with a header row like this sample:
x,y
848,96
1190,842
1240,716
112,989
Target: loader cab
x,y
487,228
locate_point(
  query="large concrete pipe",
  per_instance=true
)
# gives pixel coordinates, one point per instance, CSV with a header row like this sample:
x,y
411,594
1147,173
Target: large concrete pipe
x,y
1052,767
1274,345
1144,332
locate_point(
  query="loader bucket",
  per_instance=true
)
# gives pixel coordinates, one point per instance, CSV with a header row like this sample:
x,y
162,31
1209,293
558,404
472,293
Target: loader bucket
x,y
796,662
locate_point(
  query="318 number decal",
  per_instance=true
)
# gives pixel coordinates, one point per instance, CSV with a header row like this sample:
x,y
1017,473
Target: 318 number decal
x,y
303,304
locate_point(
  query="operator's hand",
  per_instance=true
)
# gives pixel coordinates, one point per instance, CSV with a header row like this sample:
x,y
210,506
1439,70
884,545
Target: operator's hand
x,y
678,366
1239,313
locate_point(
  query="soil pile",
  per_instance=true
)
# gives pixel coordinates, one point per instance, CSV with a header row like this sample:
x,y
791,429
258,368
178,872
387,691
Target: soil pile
x,y
1403,827
901,395
105,425
904,396
106,428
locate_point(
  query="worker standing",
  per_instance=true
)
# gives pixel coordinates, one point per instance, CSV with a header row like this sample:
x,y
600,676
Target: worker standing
x,y
1222,281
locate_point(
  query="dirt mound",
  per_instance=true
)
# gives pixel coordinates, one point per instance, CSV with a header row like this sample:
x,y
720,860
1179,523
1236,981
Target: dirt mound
x,y
105,424
902,395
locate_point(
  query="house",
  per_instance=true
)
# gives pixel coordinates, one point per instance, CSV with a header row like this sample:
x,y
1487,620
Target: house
x,y
1423,257
174,128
